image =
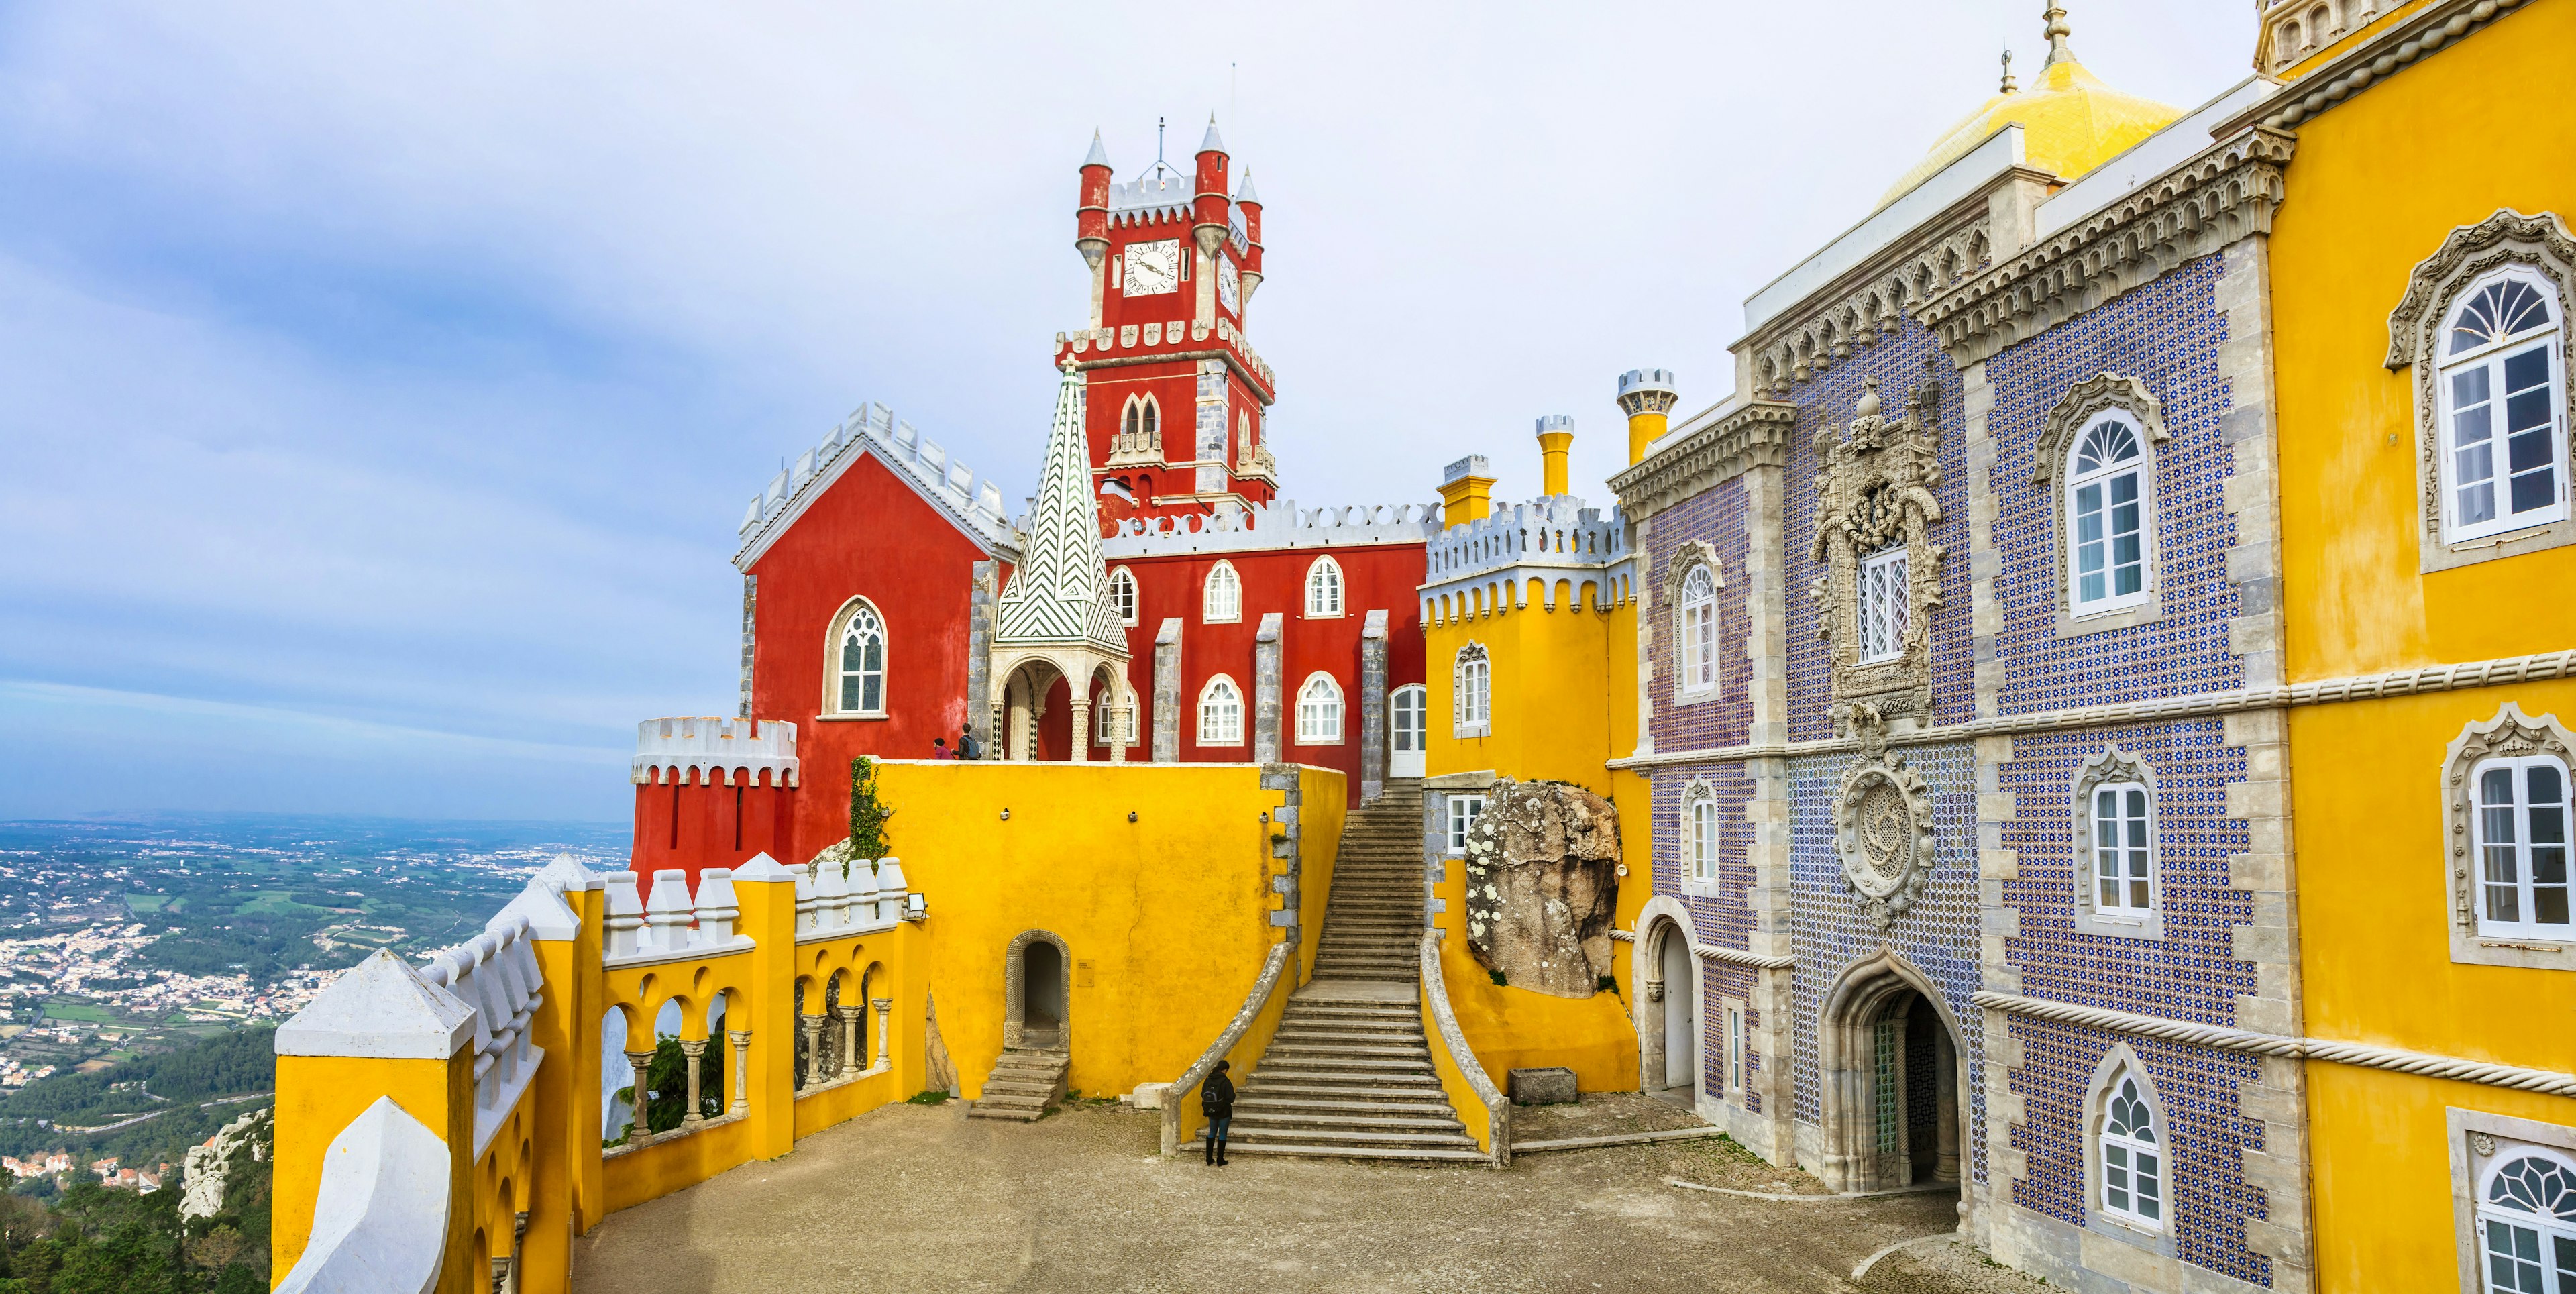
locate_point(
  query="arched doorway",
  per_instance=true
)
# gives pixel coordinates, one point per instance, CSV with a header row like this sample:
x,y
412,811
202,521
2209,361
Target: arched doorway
x,y
1667,1010
1037,1010
1406,730
1893,1069
1679,997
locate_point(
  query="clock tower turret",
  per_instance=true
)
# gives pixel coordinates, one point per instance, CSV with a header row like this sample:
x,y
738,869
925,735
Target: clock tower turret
x,y
1176,400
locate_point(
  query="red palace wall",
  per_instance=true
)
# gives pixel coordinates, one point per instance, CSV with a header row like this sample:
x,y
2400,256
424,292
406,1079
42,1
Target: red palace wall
x,y
693,826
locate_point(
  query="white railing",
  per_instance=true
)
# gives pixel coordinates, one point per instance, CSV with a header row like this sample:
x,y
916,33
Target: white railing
x,y
496,974
668,923
834,898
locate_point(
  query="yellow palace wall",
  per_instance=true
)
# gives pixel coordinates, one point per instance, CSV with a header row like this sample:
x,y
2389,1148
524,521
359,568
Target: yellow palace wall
x,y
2376,185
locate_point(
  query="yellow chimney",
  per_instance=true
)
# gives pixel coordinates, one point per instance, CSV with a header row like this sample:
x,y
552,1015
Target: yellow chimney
x,y
1555,442
1467,489
1647,396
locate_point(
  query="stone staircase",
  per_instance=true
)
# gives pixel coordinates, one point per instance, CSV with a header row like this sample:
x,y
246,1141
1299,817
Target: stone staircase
x,y
1025,1081
1349,1073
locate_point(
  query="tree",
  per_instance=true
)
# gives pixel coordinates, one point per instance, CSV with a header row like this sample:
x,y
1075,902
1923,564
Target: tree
x,y
868,812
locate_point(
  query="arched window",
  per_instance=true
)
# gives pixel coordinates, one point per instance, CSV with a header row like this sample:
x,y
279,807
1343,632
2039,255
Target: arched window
x,y
1110,711
2504,408
1122,594
858,662
1698,612
1139,427
2122,882
1319,712
1471,706
1220,713
2527,1223
1324,588
2132,1156
1223,603
1699,834
2521,838
2106,516
1243,439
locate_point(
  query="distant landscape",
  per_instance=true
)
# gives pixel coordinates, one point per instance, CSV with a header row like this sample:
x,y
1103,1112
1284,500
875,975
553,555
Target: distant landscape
x,y
143,960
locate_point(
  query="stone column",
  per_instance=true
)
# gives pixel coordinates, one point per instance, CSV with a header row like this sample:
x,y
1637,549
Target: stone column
x,y
1373,707
741,1040
1167,691
980,709
642,1061
849,1040
750,603
695,1049
1945,1107
882,1005
1081,726
813,1027
1265,691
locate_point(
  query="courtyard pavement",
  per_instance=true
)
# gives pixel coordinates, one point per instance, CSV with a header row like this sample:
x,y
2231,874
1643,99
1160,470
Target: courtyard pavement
x,y
920,1198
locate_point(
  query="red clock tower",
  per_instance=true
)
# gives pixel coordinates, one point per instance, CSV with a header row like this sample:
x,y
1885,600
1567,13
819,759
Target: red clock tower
x,y
1177,401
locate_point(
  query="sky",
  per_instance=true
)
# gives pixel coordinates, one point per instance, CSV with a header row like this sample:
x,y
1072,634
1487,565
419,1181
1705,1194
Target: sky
x,y
380,385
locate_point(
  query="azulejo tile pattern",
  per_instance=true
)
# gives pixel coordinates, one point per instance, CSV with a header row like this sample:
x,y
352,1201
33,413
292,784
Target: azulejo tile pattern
x,y
1716,518
1722,919
2168,335
1724,981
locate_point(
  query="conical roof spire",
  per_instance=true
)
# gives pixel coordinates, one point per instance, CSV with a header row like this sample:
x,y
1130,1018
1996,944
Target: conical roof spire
x,y
1099,156
1243,192
1214,143
1059,593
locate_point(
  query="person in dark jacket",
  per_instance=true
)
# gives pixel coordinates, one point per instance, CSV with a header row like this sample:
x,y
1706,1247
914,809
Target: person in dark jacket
x,y
967,746
1216,1101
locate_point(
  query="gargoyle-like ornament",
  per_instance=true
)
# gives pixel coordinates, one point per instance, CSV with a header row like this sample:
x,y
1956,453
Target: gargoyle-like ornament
x,y
1875,509
1882,820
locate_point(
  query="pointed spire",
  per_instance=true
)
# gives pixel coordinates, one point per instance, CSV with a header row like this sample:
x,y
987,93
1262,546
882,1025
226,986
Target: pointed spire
x,y
1099,156
2009,86
2058,31
1214,143
1059,593
1244,192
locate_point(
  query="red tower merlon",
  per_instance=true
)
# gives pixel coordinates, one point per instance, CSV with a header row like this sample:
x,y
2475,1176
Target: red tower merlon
x,y
713,793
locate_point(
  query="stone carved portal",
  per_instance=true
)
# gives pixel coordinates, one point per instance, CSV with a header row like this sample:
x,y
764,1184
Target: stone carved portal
x,y
1036,1010
1892,1073
1543,886
1882,823
1875,486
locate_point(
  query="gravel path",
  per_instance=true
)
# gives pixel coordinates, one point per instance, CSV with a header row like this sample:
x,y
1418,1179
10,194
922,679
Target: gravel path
x,y
919,1198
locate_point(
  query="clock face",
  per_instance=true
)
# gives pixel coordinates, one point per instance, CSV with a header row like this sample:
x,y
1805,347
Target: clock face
x,y
1153,268
1229,284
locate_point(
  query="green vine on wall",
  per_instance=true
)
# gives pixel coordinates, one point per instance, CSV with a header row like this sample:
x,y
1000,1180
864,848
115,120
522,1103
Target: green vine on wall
x,y
868,812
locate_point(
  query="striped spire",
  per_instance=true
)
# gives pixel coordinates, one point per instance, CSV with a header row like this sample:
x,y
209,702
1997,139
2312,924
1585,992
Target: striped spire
x,y
1060,591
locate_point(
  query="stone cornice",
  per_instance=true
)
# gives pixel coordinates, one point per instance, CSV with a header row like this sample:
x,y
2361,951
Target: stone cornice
x,y
1754,434
1862,304
2401,45
2360,687
2226,193
2545,1081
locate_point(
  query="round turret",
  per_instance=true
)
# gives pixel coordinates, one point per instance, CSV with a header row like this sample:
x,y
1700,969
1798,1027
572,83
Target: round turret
x,y
1208,209
1647,396
1091,219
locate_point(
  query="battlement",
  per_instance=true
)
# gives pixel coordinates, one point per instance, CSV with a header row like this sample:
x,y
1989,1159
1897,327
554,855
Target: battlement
x,y
739,748
1278,524
1554,532
1083,341
952,486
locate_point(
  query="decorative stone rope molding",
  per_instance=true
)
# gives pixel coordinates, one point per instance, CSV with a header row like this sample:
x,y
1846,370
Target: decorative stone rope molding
x,y
1754,434
2544,1081
2375,59
1733,958
2218,197
2360,687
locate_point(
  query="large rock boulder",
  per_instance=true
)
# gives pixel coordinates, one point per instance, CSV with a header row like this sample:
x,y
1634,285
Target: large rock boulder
x,y
1543,886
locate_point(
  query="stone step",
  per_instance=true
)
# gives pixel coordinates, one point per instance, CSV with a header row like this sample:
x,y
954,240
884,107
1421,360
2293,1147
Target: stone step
x,y
1347,1083
1432,1128
1315,1062
1329,1012
1340,1102
1333,1031
1470,1156
1352,1137
1293,1050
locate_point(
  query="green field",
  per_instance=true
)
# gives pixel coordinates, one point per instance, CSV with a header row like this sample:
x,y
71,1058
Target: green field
x,y
279,903
81,1011
141,903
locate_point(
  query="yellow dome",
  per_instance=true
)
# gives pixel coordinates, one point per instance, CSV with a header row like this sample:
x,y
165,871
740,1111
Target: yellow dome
x,y
2071,122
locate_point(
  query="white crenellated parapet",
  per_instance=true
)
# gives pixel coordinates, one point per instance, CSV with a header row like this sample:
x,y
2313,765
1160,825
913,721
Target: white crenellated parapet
x,y
497,975
717,908
831,895
625,916
863,890
672,924
668,911
893,901
1277,524
706,750
873,428
1465,564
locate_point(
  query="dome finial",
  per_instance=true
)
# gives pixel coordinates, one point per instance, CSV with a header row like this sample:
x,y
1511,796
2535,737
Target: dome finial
x,y
2058,31
2009,86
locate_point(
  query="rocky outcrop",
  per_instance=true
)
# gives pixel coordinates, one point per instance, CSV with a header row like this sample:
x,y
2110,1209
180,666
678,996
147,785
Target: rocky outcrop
x,y
203,1173
1543,886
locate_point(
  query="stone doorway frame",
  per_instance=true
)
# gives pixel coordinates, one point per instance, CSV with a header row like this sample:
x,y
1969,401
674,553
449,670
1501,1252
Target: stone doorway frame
x,y
1662,919
1015,990
1880,987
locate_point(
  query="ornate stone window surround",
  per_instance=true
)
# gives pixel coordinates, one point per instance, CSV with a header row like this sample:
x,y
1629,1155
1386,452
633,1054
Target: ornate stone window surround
x,y
2539,248
2085,404
1875,488
1690,557
1471,693
2113,764
841,619
2119,1062
2509,733
2480,1143
1696,792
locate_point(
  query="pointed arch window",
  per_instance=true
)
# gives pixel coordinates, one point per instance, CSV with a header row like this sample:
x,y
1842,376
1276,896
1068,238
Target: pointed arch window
x,y
1122,594
2132,1155
1699,837
1110,712
1471,705
1223,600
1140,431
2527,1222
1698,637
1324,589
857,663
2504,408
1220,713
2108,516
1319,711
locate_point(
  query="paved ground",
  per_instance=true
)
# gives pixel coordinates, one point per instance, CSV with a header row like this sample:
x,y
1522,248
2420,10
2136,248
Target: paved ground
x,y
919,1198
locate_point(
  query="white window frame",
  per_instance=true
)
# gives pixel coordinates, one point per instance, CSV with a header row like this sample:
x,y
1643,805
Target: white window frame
x,y
1471,681
2482,1146
2524,818
1121,707
2122,772
2550,341
1695,633
2125,843
2141,465
1123,594
835,674
1221,596
1462,808
2118,1156
2552,1236
1324,590
1320,717
1880,604
1420,730
1227,730
2460,863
